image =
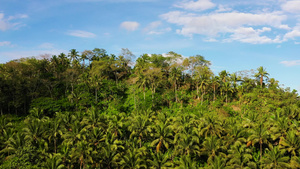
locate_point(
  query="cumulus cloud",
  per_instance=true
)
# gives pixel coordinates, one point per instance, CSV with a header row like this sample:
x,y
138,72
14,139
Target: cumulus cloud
x,y
295,32
81,34
10,22
130,25
235,23
250,35
291,63
154,28
199,5
291,6
5,43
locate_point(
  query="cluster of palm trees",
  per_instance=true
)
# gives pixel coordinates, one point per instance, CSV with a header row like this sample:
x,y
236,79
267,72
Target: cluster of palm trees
x,y
166,111
194,137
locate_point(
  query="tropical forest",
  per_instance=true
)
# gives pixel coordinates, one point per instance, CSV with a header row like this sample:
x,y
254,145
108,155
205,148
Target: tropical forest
x,y
92,109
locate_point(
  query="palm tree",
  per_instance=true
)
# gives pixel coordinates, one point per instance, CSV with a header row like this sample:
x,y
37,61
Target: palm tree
x,y
275,158
185,144
35,131
223,76
159,160
54,161
81,152
140,126
73,55
13,144
110,152
55,131
295,162
260,135
162,132
261,74
218,162
239,156
291,143
175,76
211,147
211,125
116,124
215,84
186,162
133,157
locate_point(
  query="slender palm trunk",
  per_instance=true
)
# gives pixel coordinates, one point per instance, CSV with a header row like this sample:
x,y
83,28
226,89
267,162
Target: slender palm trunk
x,y
134,98
96,93
197,90
144,93
260,147
176,92
214,93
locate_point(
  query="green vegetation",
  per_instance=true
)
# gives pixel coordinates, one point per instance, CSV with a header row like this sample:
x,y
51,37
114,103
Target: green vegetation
x,y
95,110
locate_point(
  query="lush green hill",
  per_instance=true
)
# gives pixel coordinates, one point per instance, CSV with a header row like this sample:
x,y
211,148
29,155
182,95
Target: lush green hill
x,y
95,110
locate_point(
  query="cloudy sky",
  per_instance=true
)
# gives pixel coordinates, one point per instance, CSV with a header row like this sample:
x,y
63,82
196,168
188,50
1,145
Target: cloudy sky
x,y
234,35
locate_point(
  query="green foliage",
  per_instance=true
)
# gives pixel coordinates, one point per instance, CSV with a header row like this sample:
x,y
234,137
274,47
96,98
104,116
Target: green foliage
x,y
166,111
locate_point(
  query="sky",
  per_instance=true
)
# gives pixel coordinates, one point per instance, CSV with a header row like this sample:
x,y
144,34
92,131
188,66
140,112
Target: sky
x,y
234,35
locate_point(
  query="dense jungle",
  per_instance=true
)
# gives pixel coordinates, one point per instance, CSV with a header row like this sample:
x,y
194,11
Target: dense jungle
x,y
92,109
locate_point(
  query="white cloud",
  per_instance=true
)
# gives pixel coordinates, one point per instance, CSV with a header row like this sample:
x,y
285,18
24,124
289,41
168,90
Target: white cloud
x,y
8,23
5,43
46,46
160,31
130,25
153,28
291,6
153,25
232,23
81,34
291,63
222,8
199,5
286,27
250,35
293,34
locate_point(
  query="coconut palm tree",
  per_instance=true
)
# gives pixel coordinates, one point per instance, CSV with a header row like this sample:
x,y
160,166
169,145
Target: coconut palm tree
x,y
291,143
54,161
239,156
133,157
186,162
211,147
159,160
261,74
162,133
260,134
140,127
82,153
275,158
73,55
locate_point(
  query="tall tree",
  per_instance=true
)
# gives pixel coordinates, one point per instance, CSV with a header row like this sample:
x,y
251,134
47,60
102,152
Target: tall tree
x,y
261,74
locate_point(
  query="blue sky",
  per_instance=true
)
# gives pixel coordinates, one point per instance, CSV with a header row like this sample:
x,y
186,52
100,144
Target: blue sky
x,y
234,35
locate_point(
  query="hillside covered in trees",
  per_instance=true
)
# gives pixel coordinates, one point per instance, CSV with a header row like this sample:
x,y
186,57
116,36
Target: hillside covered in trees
x,y
99,110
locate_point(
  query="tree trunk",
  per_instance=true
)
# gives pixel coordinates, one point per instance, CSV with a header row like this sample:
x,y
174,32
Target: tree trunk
x,y
260,146
144,93
197,90
175,92
134,98
96,95
55,145
214,93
